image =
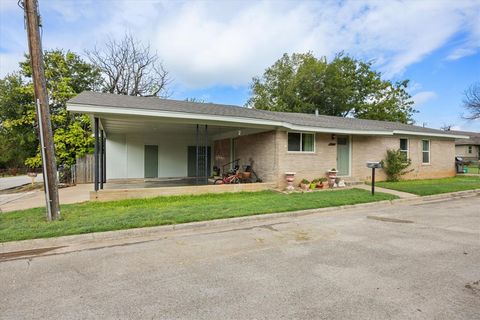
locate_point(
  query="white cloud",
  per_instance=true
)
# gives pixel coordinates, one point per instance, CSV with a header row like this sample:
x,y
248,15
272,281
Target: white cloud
x,y
227,43
423,96
9,62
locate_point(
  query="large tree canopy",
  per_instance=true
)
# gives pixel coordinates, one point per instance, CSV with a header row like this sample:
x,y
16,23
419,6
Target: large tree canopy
x,y
67,75
343,87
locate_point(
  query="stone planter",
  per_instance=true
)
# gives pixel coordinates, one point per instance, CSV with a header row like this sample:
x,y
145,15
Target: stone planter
x,y
290,177
332,176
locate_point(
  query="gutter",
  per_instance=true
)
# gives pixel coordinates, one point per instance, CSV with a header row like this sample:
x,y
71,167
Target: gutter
x,y
428,134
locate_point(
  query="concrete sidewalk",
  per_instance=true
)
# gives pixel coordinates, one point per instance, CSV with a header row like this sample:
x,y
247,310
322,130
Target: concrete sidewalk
x,y
33,199
400,194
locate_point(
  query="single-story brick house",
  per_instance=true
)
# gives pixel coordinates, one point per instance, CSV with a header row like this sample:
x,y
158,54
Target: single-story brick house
x,y
149,138
469,148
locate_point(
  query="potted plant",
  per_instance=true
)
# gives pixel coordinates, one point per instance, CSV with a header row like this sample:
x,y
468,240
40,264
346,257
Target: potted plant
x,y
313,184
332,173
320,182
304,184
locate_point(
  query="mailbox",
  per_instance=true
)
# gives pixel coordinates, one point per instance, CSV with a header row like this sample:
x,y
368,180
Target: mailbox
x,y
374,165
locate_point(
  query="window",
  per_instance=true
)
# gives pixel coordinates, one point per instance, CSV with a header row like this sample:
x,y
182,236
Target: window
x,y
404,147
301,142
470,149
425,151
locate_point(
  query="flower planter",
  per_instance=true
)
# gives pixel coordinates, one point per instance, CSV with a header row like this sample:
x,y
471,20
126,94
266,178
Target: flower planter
x,y
332,176
304,186
290,177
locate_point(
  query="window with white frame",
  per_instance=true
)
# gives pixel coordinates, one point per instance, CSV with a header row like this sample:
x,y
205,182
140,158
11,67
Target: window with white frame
x,y
301,142
470,149
425,151
404,147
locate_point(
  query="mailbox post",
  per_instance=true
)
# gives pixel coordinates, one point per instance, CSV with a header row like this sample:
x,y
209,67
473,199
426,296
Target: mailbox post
x,y
373,165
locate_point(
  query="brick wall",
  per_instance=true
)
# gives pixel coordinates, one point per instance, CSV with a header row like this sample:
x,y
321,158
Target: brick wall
x,y
261,149
221,152
306,165
368,148
269,151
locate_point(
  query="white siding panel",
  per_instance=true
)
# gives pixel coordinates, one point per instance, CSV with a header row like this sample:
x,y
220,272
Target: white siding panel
x,y
125,155
116,159
135,157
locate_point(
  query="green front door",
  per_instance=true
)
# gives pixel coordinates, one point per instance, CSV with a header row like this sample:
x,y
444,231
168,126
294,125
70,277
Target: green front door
x,y
151,161
343,155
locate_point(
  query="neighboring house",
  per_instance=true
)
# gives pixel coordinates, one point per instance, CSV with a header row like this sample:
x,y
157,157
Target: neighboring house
x,y
152,137
468,149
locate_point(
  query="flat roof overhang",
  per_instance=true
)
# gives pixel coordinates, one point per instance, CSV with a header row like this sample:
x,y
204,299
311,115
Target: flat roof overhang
x,y
106,112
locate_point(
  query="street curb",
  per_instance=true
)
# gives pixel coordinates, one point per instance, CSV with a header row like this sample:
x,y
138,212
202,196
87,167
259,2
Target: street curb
x,y
192,226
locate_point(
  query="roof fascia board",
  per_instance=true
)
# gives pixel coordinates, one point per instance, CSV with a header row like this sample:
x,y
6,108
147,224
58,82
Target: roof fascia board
x,y
427,134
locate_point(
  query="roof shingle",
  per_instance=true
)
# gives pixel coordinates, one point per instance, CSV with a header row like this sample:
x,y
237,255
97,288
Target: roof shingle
x,y
302,119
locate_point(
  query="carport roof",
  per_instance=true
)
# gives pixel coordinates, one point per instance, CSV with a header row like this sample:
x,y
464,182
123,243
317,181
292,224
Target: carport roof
x,y
104,103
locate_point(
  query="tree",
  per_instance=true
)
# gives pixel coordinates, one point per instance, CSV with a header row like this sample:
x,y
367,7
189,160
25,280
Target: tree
x,y
18,140
196,100
471,101
67,75
130,68
446,127
343,87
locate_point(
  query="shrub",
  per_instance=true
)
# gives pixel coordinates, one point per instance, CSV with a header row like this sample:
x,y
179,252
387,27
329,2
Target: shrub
x,y
395,164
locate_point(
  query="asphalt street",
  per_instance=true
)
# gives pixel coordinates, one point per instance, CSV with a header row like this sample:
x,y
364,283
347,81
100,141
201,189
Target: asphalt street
x,y
417,261
17,181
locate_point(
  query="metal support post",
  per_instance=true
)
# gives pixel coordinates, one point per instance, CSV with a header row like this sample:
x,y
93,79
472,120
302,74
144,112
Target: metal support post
x,y
96,154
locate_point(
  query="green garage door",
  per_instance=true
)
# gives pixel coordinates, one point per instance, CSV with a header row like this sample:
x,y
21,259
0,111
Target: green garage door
x,y
151,161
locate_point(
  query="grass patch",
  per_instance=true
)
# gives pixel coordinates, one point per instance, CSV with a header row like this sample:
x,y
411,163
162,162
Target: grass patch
x,y
473,168
433,186
135,213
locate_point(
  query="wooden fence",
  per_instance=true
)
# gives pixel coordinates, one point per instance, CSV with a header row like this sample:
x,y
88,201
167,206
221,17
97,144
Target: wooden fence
x,y
84,171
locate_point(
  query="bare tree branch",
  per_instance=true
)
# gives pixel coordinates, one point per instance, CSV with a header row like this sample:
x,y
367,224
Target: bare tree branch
x,y
471,101
130,68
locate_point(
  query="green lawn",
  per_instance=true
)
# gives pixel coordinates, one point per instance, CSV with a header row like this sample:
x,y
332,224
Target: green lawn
x,y
433,186
104,216
473,168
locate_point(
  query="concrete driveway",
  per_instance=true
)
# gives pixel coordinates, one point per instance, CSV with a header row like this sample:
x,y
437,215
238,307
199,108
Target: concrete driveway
x,y
393,262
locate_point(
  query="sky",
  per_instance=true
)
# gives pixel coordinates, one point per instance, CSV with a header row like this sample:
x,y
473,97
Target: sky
x,y
213,49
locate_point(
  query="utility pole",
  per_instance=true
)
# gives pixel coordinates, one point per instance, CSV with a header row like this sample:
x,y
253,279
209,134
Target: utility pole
x,y
32,23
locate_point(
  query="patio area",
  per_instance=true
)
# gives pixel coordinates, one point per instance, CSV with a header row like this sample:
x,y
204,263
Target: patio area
x,y
154,183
